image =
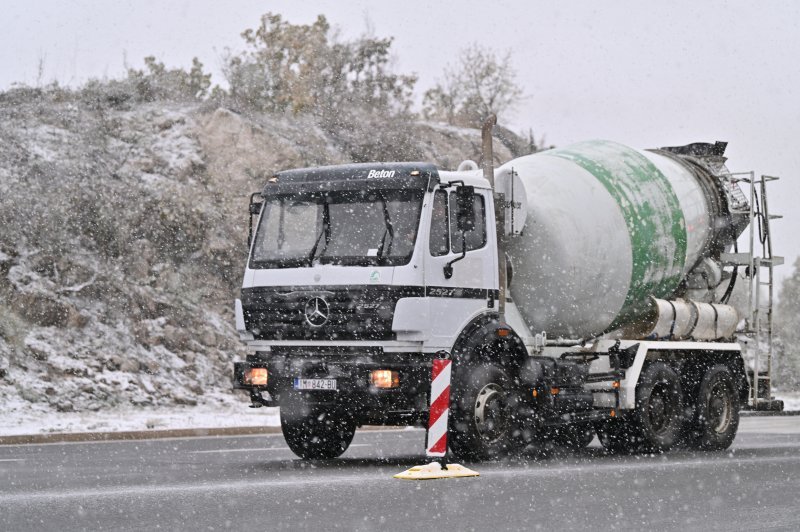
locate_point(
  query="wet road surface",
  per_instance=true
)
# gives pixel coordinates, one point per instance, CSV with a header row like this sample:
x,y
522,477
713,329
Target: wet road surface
x,y
256,483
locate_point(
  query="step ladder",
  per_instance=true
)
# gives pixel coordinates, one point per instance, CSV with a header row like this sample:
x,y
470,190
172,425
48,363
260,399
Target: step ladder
x,y
761,288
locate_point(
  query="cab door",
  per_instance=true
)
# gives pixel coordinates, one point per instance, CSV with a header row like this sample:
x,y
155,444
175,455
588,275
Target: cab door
x,y
472,287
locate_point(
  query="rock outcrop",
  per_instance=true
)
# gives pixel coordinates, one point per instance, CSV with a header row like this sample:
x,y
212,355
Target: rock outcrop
x,y
122,239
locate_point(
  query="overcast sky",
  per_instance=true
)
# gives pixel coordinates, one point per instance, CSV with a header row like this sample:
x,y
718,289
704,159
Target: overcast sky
x,y
646,74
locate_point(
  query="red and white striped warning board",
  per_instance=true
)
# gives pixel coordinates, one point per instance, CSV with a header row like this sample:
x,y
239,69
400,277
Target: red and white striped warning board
x,y
437,431
440,408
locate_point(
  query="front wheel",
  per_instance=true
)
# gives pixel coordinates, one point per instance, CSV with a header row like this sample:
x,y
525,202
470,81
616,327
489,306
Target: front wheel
x,y
314,432
482,425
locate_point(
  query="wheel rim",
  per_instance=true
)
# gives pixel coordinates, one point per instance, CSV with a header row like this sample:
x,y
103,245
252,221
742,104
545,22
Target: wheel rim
x,y
720,408
660,410
491,412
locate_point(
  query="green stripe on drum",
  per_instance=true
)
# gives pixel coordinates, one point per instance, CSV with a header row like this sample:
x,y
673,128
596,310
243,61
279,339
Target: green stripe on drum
x,y
652,214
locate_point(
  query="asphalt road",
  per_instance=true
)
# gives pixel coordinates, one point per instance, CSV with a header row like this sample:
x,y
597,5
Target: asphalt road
x,y
255,483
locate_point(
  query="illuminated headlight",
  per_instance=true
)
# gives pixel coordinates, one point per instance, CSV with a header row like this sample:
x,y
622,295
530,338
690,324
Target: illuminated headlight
x,y
255,377
385,378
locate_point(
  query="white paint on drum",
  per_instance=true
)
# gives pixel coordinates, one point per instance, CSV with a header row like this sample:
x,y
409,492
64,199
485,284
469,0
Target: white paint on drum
x,y
572,262
693,203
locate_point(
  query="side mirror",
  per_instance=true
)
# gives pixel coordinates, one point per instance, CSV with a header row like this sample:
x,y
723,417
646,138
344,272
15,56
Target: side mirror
x,y
465,221
465,208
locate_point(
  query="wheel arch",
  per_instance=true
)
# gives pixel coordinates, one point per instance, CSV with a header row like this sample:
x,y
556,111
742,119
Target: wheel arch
x,y
691,361
482,342
691,366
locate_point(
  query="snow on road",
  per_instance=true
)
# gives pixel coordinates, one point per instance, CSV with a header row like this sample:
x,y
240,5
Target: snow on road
x,y
791,400
36,421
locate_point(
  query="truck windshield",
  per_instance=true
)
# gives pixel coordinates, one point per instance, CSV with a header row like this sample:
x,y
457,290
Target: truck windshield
x,y
356,228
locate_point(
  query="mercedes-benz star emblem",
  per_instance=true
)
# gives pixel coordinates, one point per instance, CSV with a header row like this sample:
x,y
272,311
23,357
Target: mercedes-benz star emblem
x,y
317,311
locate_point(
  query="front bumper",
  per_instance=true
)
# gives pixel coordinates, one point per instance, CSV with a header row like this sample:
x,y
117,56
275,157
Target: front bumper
x,y
404,405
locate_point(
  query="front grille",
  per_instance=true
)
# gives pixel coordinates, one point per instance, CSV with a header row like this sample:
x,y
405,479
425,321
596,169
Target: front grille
x,y
353,313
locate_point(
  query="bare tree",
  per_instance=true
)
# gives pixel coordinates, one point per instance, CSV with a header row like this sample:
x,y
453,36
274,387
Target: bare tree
x,y
305,68
157,82
481,83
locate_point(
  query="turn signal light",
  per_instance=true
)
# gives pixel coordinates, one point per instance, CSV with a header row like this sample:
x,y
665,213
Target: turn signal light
x,y
385,378
255,376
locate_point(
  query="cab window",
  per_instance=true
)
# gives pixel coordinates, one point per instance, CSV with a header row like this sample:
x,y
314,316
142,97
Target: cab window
x,y
439,238
445,236
476,238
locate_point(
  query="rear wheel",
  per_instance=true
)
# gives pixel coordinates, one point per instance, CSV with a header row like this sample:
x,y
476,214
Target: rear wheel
x,y
315,432
658,418
716,416
656,423
482,426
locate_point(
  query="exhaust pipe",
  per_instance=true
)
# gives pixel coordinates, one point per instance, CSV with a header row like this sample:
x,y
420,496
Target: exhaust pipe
x,y
488,151
499,210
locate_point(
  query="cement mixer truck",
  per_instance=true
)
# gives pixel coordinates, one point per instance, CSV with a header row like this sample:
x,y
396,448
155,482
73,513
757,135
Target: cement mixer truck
x,y
578,291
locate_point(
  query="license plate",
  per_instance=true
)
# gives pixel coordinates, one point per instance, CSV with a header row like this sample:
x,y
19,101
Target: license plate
x,y
314,384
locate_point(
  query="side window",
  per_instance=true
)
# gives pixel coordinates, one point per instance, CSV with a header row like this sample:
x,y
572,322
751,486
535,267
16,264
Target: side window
x,y
438,239
476,238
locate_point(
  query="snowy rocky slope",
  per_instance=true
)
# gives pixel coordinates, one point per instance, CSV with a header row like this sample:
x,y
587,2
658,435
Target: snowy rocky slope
x,y
122,239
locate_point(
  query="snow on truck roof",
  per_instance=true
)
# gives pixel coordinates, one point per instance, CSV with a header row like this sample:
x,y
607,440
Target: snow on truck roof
x,y
366,176
361,176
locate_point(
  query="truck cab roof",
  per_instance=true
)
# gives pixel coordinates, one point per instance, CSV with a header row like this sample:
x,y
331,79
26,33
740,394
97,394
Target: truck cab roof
x,y
361,176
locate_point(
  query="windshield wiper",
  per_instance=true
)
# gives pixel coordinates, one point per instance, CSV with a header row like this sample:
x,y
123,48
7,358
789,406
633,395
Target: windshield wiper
x,y
314,249
326,230
389,231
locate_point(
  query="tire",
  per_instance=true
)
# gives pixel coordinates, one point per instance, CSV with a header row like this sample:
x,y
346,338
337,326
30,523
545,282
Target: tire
x,y
313,432
716,415
482,426
658,420
574,437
